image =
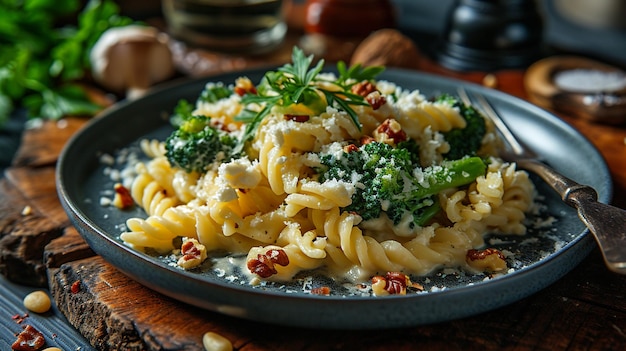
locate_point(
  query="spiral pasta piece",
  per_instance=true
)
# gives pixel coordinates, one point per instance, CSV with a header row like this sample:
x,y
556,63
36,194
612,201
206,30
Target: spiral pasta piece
x,y
516,201
319,196
152,148
150,195
415,114
159,231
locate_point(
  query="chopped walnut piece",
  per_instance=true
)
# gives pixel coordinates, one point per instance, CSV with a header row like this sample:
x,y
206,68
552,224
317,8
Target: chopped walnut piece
x,y
375,99
193,252
488,260
30,339
393,283
363,88
371,94
378,286
389,132
122,199
244,86
263,265
278,256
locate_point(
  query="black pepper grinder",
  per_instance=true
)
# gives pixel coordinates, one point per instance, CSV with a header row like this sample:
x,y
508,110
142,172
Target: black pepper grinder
x,y
488,35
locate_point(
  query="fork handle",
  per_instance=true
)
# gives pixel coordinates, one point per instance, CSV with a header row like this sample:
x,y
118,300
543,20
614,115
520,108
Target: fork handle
x,y
607,223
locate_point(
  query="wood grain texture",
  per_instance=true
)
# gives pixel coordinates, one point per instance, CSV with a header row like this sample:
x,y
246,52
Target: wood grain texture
x,y
23,237
35,153
566,316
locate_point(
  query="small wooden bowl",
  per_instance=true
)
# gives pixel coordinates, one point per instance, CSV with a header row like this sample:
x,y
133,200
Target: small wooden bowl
x,y
578,86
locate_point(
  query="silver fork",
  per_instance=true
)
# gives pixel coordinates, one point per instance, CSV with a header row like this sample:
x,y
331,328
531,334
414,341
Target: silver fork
x,y
607,223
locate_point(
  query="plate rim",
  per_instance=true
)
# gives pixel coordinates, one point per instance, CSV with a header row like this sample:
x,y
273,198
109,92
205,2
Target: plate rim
x,y
88,226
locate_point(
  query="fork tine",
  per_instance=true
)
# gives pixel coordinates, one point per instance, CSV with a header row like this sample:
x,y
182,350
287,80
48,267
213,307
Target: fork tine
x,y
464,97
487,109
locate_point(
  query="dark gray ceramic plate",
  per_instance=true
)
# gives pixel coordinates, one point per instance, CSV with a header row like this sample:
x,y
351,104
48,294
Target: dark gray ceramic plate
x,y
538,259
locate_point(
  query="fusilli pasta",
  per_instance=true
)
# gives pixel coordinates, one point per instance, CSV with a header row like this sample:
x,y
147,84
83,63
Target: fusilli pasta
x,y
271,198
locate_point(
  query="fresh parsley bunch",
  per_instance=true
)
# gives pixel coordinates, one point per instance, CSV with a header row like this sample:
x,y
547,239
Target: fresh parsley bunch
x,y
298,83
43,53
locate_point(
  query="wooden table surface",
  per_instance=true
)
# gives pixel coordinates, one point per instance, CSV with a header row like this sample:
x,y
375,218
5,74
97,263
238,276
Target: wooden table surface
x,y
585,310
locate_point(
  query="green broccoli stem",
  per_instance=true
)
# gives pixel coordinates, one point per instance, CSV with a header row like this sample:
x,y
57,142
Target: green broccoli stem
x,y
427,214
422,202
450,174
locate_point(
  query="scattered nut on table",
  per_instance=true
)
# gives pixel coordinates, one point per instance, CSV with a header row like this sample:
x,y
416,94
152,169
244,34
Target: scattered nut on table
x,y
215,342
37,301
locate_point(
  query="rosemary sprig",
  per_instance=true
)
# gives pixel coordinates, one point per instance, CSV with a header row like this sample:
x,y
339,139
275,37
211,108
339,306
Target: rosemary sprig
x,y
297,83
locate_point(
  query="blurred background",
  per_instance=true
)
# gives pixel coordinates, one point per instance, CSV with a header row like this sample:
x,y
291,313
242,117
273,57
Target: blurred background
x,y
592,28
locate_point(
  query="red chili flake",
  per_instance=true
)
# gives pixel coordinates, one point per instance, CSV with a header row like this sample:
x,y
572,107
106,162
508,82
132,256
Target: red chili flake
x,y
19,318
241,91
350,148
244,86
296,118
322,290
75,287
125,197
29,339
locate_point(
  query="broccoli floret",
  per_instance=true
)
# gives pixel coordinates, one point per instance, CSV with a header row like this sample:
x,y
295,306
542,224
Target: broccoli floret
x,y
464,141
196,144
375,165
214,93
182,112
184,109
388,180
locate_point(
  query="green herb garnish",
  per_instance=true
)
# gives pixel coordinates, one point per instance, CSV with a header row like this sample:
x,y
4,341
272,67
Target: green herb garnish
x,y
41,60
298,83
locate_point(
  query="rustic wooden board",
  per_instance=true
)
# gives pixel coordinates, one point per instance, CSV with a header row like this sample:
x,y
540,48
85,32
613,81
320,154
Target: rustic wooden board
x,y
30,185
42,144
115,312
23,237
